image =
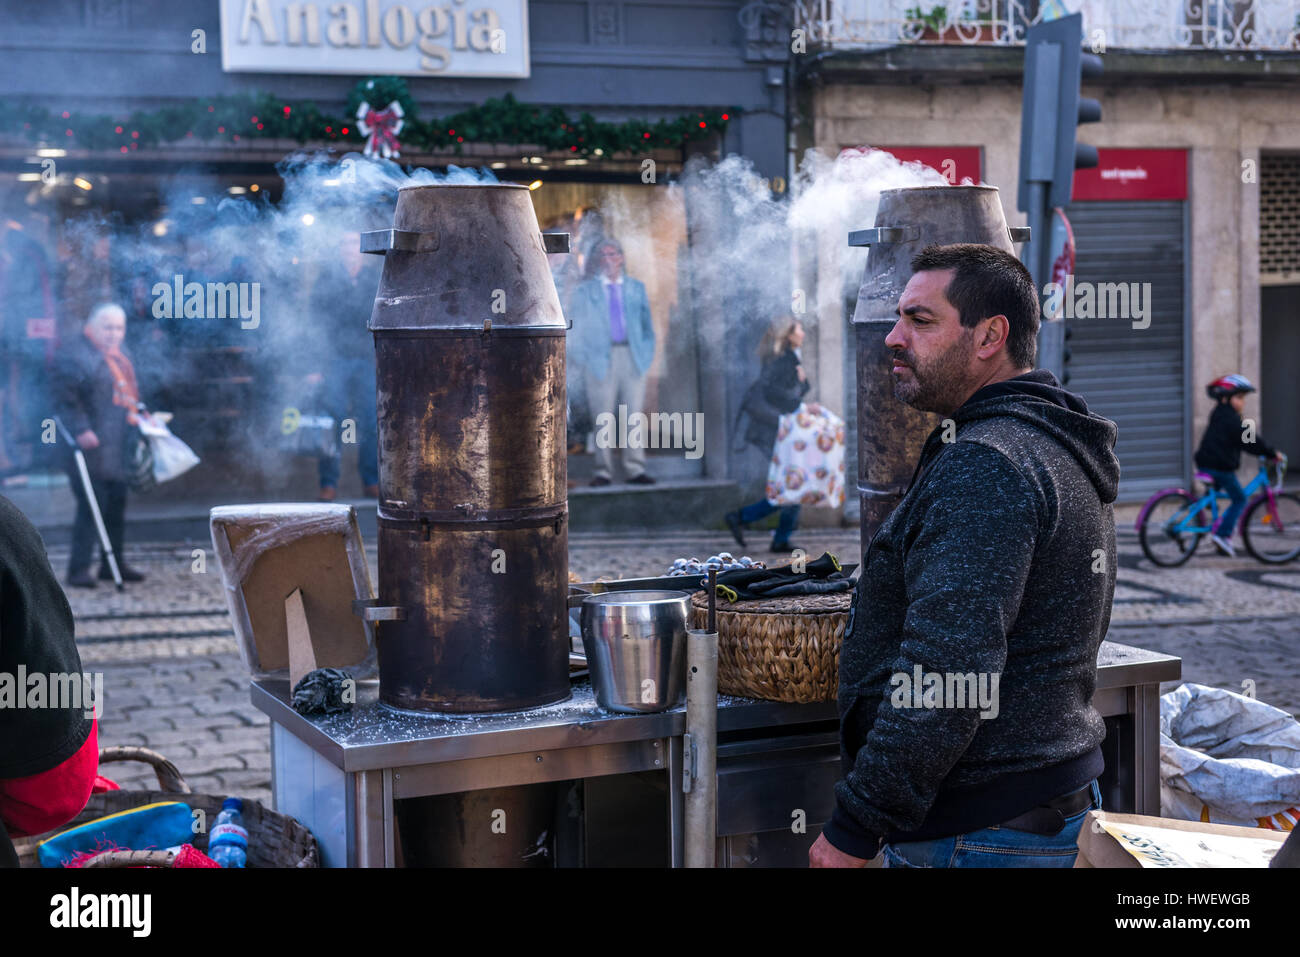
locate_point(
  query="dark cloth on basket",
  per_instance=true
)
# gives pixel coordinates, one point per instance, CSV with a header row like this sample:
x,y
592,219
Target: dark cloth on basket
x,y
820,577
321,692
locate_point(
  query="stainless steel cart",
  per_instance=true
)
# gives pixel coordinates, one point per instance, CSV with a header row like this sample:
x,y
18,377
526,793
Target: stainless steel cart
x,y
341,774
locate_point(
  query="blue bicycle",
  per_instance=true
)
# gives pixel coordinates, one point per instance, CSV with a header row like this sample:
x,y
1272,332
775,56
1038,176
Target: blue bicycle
x,y
1172,522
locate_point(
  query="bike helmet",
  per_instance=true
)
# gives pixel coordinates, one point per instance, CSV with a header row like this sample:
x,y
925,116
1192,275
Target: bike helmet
x,y
1229,385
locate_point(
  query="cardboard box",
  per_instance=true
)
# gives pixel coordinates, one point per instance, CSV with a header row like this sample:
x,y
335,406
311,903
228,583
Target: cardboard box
x,y
1135,840
267,552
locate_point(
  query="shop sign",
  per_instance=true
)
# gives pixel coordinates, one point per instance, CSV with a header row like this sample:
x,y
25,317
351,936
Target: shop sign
x,y
1133,174
483,38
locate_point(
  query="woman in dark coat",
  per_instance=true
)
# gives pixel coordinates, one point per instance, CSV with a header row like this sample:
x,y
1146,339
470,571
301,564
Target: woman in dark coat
x,y
97,399
782,385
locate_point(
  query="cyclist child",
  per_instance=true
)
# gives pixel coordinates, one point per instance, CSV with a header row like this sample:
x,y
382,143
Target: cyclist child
x,y
1219,453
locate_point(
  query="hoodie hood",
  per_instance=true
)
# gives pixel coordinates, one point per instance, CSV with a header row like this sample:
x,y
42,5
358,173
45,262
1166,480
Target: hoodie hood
x,y
1039,399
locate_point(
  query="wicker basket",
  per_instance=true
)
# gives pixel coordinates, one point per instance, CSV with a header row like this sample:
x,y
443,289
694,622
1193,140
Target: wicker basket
x,y
779,649
274,840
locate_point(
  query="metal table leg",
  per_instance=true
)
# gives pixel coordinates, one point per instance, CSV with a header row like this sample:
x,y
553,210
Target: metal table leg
x,y
371,815
1146,749
676,804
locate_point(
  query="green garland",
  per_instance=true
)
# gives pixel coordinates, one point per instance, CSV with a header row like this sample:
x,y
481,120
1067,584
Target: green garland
x,y
262,116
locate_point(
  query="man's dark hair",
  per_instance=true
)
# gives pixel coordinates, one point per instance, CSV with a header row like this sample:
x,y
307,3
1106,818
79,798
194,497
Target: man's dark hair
x,y
989,282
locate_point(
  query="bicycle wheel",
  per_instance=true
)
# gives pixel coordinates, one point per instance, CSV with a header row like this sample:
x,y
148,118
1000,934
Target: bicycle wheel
x,y
1273,536
1160,542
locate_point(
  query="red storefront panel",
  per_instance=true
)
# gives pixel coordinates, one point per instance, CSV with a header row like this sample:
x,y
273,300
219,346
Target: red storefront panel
x,y
1133,175
955,163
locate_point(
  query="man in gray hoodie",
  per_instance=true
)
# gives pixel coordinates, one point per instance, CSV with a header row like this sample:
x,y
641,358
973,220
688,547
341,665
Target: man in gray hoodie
x,y
968,735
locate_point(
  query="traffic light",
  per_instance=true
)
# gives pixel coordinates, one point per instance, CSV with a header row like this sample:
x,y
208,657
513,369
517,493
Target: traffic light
x,y
1052,109
1051,112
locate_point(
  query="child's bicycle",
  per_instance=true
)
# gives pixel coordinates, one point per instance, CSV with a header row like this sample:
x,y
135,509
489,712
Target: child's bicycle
x,y
1172,522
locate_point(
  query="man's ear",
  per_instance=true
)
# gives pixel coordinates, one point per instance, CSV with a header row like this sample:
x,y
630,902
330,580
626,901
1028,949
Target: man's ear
x,y
994,337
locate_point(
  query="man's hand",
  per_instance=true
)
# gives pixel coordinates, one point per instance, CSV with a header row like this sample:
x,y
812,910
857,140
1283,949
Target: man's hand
x,y
824,854
314,378
88,440
798,371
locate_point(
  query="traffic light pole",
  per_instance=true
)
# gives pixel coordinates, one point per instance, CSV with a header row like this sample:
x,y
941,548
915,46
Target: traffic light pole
x,y
1052,108
1037,259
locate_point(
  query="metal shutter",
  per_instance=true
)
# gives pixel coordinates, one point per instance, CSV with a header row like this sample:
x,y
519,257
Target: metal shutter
x,y
1135,377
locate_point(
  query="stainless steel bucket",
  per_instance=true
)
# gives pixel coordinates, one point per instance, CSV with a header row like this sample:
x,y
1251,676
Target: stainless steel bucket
x,y
636,648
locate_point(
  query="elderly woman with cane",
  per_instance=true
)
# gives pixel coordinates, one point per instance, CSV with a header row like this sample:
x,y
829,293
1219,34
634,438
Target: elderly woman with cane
x,y
98,401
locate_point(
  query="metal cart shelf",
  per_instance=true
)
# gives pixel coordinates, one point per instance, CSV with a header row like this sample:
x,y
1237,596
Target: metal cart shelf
x,y
340,774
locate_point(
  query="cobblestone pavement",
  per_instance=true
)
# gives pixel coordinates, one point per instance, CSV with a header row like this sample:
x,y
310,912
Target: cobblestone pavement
x,y
173,680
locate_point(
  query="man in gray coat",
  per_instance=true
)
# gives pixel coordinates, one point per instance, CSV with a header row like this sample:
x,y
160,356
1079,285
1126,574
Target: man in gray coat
x,y
613,343
967,729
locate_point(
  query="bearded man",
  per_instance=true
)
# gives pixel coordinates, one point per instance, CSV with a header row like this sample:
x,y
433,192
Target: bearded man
x,y
968,735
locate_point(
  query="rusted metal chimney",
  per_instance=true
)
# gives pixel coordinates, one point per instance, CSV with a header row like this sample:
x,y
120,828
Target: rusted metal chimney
x,y
891,434
473,500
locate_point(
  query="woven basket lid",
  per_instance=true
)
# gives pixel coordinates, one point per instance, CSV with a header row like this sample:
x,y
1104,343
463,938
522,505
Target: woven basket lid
x,y
835,602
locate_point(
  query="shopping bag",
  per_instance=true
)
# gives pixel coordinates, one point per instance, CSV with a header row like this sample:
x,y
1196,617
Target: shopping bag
x,y
1226,758
138,463
808,459
171,456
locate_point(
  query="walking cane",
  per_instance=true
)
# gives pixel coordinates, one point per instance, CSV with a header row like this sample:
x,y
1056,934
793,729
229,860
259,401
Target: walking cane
x,y
94,503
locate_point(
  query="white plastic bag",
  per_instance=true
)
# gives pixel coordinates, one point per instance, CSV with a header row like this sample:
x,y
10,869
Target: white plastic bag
x,y
807,465
1228,759
171,457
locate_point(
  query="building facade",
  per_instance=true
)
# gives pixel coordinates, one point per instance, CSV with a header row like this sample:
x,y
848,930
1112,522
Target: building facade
x,y
620,61
1196,193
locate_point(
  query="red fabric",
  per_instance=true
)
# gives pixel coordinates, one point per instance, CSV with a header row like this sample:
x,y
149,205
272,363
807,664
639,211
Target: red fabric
x,y
39,802
187,856
191,856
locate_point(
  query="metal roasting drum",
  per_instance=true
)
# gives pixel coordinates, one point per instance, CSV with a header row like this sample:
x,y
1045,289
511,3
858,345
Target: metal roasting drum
x,y
473,500
891,434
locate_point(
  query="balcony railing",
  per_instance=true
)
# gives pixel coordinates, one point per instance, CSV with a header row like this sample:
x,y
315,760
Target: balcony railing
x,y
1107,24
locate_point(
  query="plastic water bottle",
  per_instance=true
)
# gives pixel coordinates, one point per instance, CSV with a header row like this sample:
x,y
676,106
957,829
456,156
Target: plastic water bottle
x,y
228,841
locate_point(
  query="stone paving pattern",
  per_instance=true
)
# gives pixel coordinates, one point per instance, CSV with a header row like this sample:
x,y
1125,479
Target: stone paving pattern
x,y
174,682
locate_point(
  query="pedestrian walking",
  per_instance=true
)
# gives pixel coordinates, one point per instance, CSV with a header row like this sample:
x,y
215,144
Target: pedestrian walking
x,y
779,390
344,360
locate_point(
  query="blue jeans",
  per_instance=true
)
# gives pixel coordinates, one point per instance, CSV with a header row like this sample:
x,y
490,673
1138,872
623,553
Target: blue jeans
x,y
1228,482
995,847
786,524
351,389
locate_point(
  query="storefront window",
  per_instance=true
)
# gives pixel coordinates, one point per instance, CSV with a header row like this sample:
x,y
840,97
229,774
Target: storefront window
x,y
647,225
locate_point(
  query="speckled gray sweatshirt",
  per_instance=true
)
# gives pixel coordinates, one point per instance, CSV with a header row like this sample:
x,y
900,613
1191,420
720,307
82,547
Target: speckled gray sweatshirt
x,y
987,591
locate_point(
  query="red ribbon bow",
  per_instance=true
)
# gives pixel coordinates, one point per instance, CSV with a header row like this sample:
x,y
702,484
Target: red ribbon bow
x,y
382,127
